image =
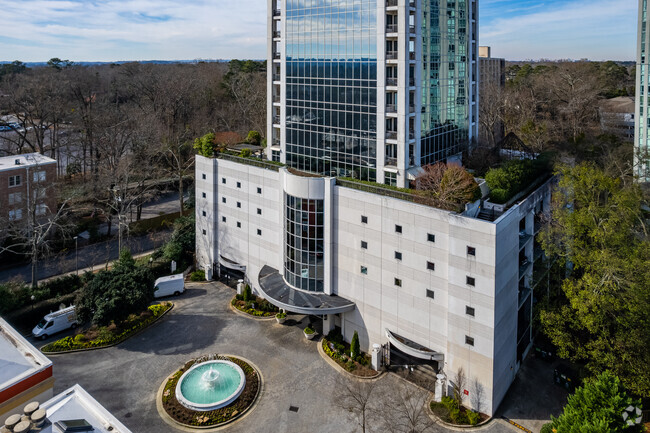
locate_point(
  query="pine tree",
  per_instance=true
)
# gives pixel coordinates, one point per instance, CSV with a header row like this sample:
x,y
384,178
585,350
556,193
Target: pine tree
x,y
598,407
354,346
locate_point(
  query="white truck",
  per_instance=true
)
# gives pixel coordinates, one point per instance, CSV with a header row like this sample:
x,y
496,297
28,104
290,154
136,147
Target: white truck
x,y
169,285
56,322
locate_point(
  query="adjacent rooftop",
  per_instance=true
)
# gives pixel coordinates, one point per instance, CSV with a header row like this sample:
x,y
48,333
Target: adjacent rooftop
x,y
25,160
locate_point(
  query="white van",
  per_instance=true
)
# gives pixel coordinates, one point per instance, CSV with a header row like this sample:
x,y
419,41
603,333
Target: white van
x,y
56,322
169,285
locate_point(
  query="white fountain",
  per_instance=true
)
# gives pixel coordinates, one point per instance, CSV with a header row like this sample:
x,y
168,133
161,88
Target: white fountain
x,y
210,385
209,378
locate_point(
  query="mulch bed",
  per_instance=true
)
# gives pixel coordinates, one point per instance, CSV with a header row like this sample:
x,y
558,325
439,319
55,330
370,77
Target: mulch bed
x,y
343,359
243,306
215,417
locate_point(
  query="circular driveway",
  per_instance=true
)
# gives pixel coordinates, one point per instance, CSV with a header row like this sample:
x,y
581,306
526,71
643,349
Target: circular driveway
x,y
125,378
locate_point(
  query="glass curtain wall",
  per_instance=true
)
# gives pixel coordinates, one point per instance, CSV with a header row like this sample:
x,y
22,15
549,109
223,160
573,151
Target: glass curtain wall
x,y
331,75
303,263
445,79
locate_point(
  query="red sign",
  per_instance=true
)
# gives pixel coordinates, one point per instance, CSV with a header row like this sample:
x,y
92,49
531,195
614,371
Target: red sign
x,y
466,392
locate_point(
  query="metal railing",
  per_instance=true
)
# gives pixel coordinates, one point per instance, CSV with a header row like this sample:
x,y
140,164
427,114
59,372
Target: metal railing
x,y
383,190
277,12
277,34
276,120
391,108
390,81
276,55
254,161
391,28
411,82
390,161
391,3
276,77
412,29
411,108
411,55
391,55
391,135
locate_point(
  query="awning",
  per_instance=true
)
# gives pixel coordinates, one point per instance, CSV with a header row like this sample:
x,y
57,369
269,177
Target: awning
x,y
413,172
412,348
275,290
231,264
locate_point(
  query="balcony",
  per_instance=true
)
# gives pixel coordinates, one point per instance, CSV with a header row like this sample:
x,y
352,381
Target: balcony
x,y
391,135
277,12
411,82
391,108
276,99
390,81
391,28
523,294
390,161
412,109
276,77
523,239
412,3
524,267
277,34
276,120
391,55
391,3
411,135
412,29
277,56
411,55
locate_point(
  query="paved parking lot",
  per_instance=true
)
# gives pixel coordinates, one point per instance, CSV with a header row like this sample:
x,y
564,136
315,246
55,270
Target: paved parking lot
x,y
125,378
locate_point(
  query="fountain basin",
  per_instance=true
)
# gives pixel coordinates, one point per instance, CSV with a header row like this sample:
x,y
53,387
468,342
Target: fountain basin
x,y
210,385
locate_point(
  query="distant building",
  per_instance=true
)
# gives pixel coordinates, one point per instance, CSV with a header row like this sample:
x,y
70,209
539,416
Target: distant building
x,y
492,73
617,116
642,107
22,177
25,373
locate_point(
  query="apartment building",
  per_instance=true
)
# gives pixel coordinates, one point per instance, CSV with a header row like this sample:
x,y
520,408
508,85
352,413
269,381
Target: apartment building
x,y
492,81
642,106
371,89
25,182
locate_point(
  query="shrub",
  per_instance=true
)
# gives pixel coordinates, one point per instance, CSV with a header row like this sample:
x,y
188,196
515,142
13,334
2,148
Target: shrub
x,y
547,428
354,346
198,275
448,402
79,338
246,153
499,196
458,416
473,418
254,138
246,294
309,331
281,315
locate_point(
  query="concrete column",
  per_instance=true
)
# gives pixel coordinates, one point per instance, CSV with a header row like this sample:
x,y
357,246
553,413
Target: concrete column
x,y
328,324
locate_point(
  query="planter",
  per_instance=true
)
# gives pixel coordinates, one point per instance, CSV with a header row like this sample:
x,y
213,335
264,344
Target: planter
x,y
309,336
280,320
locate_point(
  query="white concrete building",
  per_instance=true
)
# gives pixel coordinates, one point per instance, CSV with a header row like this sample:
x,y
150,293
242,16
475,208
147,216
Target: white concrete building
x,y
434,287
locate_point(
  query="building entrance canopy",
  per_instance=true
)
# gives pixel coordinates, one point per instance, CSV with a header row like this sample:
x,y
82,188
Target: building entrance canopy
x,y
412,348
275,290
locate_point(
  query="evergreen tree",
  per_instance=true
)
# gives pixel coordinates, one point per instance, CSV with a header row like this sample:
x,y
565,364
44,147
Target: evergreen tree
x,y
355,350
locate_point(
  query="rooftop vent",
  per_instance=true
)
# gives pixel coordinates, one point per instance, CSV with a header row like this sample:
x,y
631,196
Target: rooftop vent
x,y
17,161
33,419
74,425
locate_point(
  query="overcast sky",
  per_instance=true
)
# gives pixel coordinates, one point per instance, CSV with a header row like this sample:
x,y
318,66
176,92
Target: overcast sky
x,y
112,30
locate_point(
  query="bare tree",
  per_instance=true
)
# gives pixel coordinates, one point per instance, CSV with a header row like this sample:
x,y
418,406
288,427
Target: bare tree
x,y
458,384
491,113
405,408
355,397
477,394
448,185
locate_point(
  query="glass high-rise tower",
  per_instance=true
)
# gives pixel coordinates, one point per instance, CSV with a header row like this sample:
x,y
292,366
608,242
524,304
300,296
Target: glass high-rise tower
x,y
371,89
642,109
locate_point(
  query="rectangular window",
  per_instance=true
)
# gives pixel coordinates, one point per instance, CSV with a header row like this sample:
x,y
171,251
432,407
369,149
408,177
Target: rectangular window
x,y
259,232
398,228
223,180
15,197
470,281
398,255
15,215
259,190
223,219
469,311
204,232
430,294
471,251
364,245
398,282
238,224
431,237
39,176
364,219
223,199
203,195
203,176
431,266
239,204
364,270
469,340
41,209
204,213
238,184
14,180
259,211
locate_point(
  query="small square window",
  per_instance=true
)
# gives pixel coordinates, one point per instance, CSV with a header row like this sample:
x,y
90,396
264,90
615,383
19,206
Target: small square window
x,y
431,266
259,190
398,255
223,199
223,219
223,180
238,184
398,228
364,219
204,213
364,245
431,237
470,311
471,281
204,232
203,176
259,211
238,224
259,232
203,195
430,294
469,340
471,251
238,204
398,282
364,270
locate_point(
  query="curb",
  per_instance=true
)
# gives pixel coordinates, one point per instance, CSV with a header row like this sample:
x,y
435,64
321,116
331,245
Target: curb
x,y
187,428
241,313
455,427
342,370
112,344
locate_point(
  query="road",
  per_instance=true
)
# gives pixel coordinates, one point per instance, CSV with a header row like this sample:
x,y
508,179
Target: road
x,y
95,255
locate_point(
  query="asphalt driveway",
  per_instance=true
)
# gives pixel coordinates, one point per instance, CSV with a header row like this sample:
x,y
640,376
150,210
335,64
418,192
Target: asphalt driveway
x,y
125,378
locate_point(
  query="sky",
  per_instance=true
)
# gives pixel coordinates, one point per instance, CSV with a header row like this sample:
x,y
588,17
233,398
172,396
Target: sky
x,y
115,30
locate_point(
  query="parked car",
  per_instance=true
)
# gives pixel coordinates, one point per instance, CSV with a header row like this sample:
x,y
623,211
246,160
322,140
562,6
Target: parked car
x,y
56,322
169,285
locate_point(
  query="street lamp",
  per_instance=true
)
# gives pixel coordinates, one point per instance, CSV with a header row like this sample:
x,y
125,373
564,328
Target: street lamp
x,y
76,255
32,298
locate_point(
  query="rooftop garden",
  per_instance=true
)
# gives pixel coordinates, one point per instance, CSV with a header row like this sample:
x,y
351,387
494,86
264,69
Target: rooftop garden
x,y
515,176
